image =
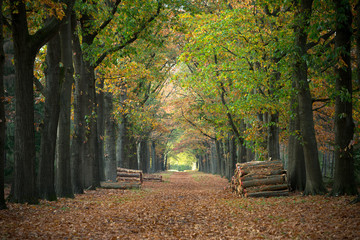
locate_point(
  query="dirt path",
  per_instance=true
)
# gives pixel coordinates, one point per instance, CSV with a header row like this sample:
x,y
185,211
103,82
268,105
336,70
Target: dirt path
x,y
185,206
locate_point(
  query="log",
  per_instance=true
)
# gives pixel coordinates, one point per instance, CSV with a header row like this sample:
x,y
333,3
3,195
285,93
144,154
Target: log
x,y
125,174
120,185
128,179
124,171
266,188
259,164
268,194
262,167
128,170
276,179
259,175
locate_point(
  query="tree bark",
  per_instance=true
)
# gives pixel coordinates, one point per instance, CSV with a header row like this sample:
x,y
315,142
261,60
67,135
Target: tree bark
x,y
153,157
50,122
232,155
314,183
344,178
296,163
78,135
218,156
64,182
144,156
2,115
100,127
110,139
273,145
214,160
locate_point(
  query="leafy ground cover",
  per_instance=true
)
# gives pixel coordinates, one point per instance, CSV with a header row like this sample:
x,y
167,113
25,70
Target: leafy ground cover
x,y
188,205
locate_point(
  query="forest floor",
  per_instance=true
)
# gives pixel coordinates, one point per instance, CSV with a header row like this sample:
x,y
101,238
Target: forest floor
x,y
185,206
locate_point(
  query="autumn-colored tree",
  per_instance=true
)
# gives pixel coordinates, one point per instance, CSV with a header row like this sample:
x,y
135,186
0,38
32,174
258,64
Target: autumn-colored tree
x,y
26,47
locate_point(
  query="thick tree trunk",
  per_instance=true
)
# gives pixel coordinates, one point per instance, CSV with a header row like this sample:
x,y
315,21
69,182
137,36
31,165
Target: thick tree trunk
x,y
2,116
50,122
87,80
344,178
64,183
110,139
100,128
314,183
296,163
24,185
94,144
26,47
79,135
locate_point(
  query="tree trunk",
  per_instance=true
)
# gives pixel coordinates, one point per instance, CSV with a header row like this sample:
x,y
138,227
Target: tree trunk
x,y
273,145
24,185
64,183
153,157
78,136
26,47
214,160
131,152
87,78
296,164
100,128
242,145
219,156
50,122
223,159
2,116
94,144
344,178
144,156
314,183
164,163
232,155
110,139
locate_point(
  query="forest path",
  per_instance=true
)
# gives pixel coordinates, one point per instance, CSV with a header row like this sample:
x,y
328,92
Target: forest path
x,y
185,206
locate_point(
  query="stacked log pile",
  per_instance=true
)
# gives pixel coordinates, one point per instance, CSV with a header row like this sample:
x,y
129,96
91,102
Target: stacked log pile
x,y
126,179
260,179
129,175
152,178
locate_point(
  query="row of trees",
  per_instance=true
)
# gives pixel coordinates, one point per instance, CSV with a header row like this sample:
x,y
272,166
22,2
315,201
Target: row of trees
x,y
251,74
260,73
99,68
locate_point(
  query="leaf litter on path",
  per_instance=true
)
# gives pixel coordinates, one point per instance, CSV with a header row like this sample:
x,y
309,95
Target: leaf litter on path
x,y
188,206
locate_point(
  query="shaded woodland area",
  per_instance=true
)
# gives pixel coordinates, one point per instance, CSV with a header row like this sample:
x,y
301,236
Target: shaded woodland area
x,y
88,87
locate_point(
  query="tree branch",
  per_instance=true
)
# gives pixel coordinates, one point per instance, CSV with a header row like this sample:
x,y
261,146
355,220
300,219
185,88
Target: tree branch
x,y
194,125
105,23
129,41
52,27
326,36
39,86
